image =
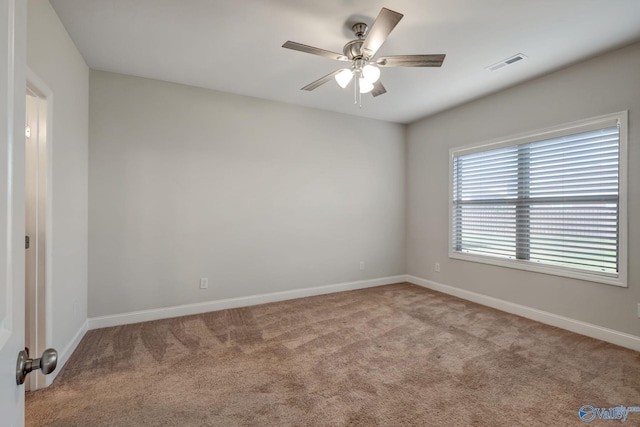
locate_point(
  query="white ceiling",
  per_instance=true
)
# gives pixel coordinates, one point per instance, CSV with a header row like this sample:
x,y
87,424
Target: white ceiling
x,y
235,45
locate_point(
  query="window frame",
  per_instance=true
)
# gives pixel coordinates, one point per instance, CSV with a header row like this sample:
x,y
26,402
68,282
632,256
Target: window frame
x,y
594,123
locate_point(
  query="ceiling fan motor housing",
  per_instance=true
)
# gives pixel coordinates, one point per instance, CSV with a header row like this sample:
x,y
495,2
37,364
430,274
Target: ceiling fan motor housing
x,y
352,49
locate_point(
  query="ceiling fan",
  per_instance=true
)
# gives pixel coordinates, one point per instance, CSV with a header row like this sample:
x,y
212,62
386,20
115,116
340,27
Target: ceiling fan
x,y
361,52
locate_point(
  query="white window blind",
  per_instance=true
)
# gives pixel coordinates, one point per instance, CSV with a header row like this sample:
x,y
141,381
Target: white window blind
x,y
550,202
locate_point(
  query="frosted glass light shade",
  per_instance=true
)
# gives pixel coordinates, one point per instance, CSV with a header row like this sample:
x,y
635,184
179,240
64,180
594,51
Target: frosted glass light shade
x,y
365,86
344,77
371,73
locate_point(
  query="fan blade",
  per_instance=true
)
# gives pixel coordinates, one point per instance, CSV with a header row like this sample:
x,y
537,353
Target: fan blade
x,y
314,50
322,80
378,89
411,61
382,27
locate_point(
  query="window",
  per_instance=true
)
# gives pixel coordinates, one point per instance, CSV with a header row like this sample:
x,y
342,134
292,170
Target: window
x,y
552,202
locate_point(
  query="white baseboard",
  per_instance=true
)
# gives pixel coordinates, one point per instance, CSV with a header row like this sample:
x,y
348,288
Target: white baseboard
x,y
204,307
577,326
66,353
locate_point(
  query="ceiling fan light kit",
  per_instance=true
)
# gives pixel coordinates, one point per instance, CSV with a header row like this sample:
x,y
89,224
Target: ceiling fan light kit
x,y
365,86
344,77
371,73
361,52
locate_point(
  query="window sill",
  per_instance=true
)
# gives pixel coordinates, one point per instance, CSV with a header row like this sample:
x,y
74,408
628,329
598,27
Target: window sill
x,y
607,279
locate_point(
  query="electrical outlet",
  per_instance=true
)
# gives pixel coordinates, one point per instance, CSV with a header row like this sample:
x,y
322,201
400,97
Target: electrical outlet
x,y
204,283
361,265
436,268
638,310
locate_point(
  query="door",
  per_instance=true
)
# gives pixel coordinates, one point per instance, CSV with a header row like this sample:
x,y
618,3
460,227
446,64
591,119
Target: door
x,y
12,202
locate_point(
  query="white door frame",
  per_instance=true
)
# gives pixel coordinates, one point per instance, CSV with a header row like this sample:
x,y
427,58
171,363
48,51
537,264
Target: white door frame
x,y
13,58
41,320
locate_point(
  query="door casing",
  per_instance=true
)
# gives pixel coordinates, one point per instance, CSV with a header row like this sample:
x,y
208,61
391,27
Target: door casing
x,y
38,295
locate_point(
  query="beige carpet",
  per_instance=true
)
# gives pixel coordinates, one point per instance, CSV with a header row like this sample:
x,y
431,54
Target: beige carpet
x,y
392,355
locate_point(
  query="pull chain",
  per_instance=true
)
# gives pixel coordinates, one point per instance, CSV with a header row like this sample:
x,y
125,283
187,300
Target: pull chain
x,y
357,94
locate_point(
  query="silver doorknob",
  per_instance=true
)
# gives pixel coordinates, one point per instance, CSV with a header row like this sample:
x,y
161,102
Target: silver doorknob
x,y
46,363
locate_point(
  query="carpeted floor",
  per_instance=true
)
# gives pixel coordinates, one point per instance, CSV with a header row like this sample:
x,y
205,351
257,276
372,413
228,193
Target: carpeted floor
x,y
391,355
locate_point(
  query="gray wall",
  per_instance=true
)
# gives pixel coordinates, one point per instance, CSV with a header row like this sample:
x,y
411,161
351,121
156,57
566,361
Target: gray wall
x,y
605,84
53,57
257,196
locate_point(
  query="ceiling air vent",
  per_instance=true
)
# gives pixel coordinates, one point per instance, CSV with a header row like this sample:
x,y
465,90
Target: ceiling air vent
x,y
508,61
